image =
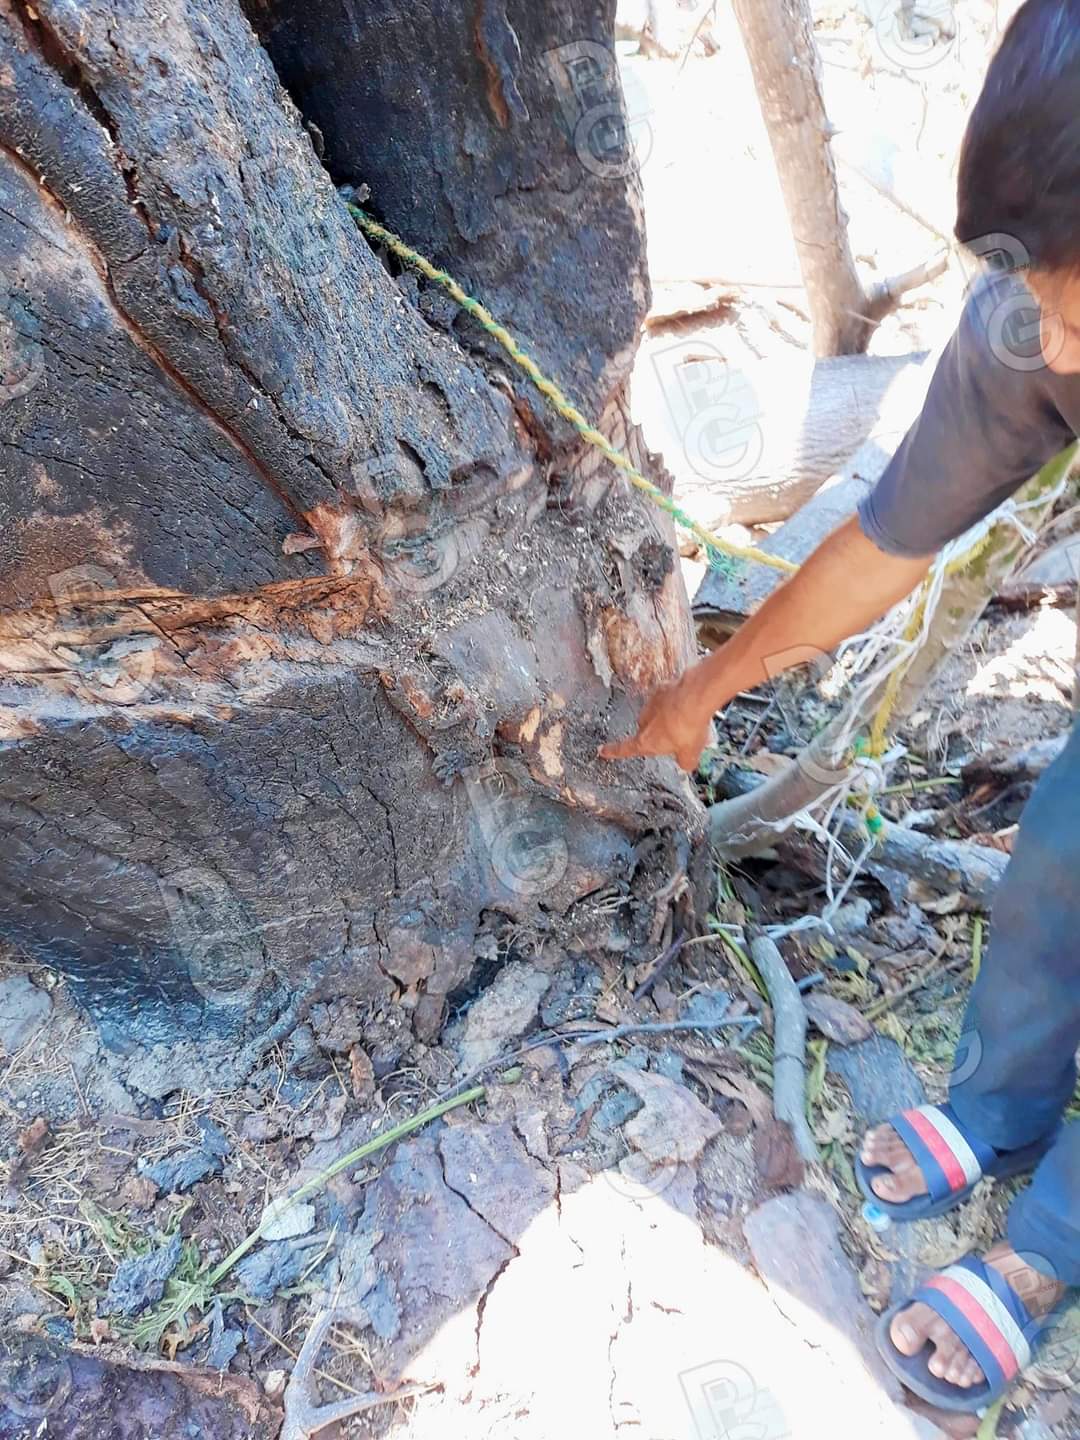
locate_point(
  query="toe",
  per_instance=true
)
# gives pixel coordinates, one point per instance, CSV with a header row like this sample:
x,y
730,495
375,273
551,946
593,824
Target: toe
x,y
900,1185
957,1369
888,1187
972,1375
948,1354
883,1148
875,1142
910,1329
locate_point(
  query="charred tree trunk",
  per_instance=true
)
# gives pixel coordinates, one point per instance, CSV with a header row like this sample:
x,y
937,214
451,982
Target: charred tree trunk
x,y
312,619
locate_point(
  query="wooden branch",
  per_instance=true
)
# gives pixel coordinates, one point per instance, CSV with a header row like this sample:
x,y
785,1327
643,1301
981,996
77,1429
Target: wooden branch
x,y
1006,767
893,198
789,1045
1029,595
749,824
944,866
884,297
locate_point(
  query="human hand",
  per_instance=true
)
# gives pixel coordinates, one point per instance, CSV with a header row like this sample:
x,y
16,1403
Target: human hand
x,y
673,722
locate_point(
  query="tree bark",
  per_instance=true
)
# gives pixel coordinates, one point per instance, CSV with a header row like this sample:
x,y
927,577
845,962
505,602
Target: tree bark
x,y
784,59
779,39
312,618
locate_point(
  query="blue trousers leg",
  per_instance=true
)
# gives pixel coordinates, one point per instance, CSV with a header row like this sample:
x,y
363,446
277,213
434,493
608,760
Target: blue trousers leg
x,y
1016,1062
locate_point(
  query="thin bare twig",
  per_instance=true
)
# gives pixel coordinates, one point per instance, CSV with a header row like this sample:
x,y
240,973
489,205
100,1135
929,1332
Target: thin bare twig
x,y
789,1045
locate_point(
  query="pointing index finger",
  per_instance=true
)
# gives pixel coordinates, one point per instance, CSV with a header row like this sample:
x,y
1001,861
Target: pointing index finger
x,y
621,749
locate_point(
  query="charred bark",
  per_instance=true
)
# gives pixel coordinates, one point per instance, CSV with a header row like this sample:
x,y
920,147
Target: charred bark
x,y
312,620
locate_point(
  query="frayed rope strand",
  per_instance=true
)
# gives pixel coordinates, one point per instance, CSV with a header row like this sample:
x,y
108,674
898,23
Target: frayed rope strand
x,y
558,400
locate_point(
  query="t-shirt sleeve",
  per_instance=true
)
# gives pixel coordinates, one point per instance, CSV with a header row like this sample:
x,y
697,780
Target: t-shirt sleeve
x,y
988,425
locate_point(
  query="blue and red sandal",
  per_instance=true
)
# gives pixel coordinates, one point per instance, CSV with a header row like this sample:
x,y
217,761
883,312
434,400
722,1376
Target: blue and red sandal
x,y
952,1161
987,1316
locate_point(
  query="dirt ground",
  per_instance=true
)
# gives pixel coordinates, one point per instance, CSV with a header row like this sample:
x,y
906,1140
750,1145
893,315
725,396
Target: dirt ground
x,y
614,1237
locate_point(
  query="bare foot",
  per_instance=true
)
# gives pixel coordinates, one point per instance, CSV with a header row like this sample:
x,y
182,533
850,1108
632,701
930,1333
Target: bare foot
x,y
883,1146
951,1360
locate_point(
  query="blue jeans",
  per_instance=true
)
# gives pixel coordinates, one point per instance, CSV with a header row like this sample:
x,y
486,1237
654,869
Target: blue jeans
x,y
1016,1062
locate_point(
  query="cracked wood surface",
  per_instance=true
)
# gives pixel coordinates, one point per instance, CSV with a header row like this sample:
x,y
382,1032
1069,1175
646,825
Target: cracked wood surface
x,y
309,629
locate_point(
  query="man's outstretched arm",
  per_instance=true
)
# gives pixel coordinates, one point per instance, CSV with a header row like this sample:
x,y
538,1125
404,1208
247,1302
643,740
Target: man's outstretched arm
x,y
845,585
986,427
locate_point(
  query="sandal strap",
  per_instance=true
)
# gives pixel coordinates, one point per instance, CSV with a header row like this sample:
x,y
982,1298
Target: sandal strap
x,y
986,1315
950,1158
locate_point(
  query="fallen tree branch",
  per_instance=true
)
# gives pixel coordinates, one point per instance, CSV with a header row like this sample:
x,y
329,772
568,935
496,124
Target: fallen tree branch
x,y
882,299
789,1045
1030,595
749,1023
660,967
1026,763
944,866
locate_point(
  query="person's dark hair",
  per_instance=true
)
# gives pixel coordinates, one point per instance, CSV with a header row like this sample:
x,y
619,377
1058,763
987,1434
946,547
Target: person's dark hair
x,y
1020,162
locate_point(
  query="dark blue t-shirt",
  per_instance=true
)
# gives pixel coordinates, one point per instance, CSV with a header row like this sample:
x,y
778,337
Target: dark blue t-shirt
x,y
994,415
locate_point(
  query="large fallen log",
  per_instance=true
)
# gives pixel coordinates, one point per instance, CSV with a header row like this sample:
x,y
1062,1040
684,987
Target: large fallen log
x,y
750,443
722,604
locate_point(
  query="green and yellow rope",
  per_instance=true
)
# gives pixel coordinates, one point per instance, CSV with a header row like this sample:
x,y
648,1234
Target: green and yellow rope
x,y
875,746
558,400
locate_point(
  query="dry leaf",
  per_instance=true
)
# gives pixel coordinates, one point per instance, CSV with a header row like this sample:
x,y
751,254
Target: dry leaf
x,y
836,1019
779,1165
34,1136
741,1087
30,1141
362,1073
